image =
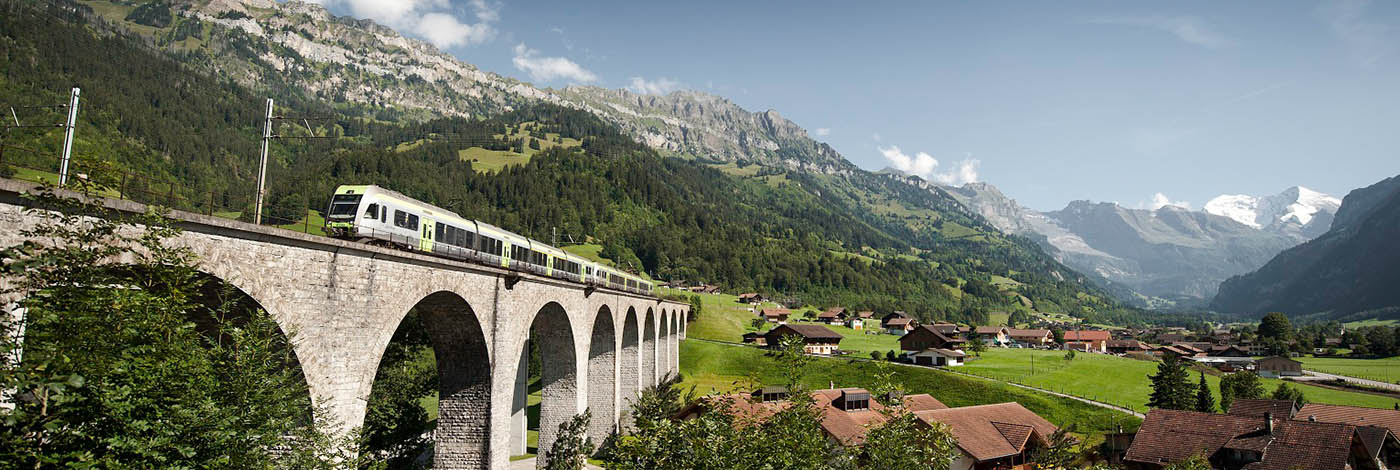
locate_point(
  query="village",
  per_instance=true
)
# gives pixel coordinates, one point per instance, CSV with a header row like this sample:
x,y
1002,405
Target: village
x,y
1254,430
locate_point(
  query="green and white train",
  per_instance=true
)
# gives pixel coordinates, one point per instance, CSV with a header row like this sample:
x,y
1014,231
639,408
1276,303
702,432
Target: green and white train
x,y
376,215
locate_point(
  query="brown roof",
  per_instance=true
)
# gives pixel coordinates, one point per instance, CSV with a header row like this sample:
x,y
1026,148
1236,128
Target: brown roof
x,y
898,321
1353,415
1031,333
831,313
846,426
922,401
1258,408
1087,335
866,314
1125,343
988,432
989,330
1172,436
906,342
808,331
1276,359
775,312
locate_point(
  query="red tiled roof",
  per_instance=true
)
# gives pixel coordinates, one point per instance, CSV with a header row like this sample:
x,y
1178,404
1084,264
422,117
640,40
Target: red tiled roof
x,y
1353,415
1258,408
808,331
775,312
979,429
845,426
1171,436
1087,335
1031,333
898,321
922,401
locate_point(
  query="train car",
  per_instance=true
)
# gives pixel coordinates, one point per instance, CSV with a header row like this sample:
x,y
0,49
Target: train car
x,y
371,214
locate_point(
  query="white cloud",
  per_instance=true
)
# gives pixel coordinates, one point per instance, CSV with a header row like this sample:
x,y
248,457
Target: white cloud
x,y
925,166
1188,29
1369,41
659,86
544,69
823,131
876,136
1160,200
433,20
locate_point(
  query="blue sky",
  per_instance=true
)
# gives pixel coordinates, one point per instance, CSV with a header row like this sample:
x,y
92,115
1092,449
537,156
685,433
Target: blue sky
x,y
1050,101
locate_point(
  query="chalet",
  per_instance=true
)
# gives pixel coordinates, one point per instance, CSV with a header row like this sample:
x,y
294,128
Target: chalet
x,y
998,436
832,316
751,298
705,289
897,314
1032,337
897,323
948,329
755,338
847,413
992,335
1227,350
777,315
1245,441
817,339
1174,350
1125,346
1190,348
1279,366
925,345
1092,340
866,314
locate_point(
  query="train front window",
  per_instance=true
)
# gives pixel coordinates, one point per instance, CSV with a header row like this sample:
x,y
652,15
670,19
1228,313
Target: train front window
x,y
343,205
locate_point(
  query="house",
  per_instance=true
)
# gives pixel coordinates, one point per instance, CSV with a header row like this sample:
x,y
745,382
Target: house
x,y
926,345
1092,340
1248,442
866,314
1279,366
1032,337
832,316
1353,415
897,323
948,329
751,298
847,413
1190,349
992,335
1124,346
1174,350
705,289
1003,435
1169,338
855,323
755,338
817,339
1227,350
777,315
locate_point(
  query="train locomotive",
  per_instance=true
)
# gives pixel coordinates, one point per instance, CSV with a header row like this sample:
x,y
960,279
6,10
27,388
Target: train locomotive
x,y
379,216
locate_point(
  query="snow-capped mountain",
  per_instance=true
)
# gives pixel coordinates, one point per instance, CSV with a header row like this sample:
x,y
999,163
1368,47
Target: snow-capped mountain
x,y
1164,257
1298,212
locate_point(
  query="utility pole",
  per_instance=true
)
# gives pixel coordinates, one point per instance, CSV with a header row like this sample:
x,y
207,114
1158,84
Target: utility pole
x,y
68,137
262,165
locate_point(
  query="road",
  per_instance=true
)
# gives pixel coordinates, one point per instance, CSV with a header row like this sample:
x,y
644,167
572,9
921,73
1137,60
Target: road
x,y
1359,381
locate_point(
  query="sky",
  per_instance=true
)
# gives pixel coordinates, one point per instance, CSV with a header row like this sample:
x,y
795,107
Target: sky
x,y
1140,103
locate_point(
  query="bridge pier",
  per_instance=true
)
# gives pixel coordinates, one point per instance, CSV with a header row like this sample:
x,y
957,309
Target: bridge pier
x,y
340,303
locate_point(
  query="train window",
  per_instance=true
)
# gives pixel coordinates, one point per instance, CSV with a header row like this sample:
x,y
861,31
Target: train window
x,y
405,220
372,212
440,233
343,205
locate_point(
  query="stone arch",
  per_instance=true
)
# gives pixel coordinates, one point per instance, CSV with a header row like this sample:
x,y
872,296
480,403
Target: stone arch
x,y
460,348
630,370
667,321
673,342
553,331
649,349
602,376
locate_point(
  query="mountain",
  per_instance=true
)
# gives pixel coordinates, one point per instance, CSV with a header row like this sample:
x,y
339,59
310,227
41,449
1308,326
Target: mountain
x,y
1169,257
1350,272
762,205
1298,212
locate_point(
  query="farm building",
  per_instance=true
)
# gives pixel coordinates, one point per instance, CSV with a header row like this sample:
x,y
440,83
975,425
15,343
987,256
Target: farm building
x,y
775,314
1031,337
898,325
1250,441
1279,366
755,338
1087,340
751,298
1003,435
925,345
832,316
1124,346
817,339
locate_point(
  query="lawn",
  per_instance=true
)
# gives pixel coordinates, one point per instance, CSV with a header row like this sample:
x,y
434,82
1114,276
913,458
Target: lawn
x,y
1382,370
723,318
712,367
311,223
1117,380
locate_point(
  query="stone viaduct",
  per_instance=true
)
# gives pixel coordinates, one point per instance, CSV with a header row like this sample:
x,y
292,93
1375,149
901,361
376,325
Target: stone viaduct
x,y
340,303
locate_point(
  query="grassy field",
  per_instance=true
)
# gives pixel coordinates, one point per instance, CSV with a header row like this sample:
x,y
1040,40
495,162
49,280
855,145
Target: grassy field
x,y
1383,370
721,368
312,223
491,161
1117,380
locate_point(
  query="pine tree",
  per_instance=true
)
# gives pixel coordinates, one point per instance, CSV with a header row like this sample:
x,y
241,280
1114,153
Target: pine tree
x,y
1287,392
1205,402
1170,389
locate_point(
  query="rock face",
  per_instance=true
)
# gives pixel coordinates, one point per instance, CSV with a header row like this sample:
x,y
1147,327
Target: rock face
x,y
1165,257
1349,272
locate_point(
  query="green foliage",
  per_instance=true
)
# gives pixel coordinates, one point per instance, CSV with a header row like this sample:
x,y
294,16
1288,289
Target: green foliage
x,y
1205,401
1290,393
1195,462
572,446
975,344
1275,326
155,13
133,359
395,421
1060,454
902,442
1170,388
1239,385
697,308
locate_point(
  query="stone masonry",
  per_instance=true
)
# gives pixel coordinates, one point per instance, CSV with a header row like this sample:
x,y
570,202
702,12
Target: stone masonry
x,y
340,303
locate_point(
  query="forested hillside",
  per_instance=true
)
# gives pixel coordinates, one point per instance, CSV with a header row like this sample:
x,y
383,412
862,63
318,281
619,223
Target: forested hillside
x,y
861,240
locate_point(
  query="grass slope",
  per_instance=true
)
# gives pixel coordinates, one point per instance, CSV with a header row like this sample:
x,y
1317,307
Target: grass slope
x,y
1118,380
712,367
1383,370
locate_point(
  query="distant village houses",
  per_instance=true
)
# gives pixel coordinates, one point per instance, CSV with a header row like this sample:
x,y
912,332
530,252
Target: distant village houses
x,y
777,315
926,345
897,323
817,339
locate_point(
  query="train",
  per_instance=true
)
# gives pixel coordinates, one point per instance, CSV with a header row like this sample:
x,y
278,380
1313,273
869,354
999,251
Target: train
x,y
376,215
